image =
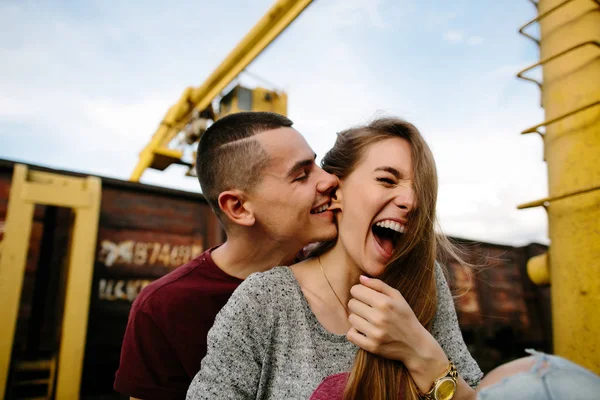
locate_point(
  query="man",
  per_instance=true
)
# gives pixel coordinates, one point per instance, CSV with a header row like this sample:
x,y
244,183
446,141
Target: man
x,y
260,178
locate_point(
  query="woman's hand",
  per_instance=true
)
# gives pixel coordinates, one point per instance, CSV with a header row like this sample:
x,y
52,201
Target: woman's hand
x,y
384,324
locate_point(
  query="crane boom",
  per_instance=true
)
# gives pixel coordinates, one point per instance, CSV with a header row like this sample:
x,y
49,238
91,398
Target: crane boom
x,y
267,29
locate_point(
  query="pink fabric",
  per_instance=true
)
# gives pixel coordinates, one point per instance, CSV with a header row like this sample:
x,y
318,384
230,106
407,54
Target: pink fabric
x,y
332,388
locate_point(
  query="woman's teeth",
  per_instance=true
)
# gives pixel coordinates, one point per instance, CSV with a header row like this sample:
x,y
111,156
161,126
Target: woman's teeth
x,y
393,225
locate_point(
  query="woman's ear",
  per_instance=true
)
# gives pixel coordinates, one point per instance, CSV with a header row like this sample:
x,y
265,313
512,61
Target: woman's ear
x,y
336,200
234,205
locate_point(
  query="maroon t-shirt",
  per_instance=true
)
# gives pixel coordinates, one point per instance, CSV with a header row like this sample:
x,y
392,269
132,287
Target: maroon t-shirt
x,y
165,339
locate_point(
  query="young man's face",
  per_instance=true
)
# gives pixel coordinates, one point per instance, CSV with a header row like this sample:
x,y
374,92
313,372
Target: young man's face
x,y
290,200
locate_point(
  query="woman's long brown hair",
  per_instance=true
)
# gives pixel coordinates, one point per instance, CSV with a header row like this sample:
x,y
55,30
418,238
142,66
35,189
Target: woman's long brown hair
x,y
411,270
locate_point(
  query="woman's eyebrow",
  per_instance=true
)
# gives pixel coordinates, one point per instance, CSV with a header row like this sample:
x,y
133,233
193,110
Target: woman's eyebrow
x,y
391,170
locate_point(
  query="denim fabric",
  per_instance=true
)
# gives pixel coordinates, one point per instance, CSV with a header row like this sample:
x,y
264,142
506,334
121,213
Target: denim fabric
x,y
551,378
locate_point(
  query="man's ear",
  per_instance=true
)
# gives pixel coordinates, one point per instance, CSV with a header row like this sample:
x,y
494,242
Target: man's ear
x,y
233,204
336,200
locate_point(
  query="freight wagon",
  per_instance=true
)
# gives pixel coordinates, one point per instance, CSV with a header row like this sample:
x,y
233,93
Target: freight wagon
x,y
145,232
500,311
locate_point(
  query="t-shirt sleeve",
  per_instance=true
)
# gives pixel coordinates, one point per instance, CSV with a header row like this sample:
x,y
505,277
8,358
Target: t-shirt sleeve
x,y
236,346
149,367
447,332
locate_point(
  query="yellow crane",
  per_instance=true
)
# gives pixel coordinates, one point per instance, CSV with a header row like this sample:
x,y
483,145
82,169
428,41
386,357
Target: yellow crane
x,y
194,110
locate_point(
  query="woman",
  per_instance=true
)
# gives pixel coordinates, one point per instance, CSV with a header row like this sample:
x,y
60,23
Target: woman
x,y
285,330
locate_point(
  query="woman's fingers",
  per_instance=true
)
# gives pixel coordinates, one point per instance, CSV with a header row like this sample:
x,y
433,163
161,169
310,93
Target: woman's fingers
x,y
362,341
368,296
362,325
380,286
387,307
361,309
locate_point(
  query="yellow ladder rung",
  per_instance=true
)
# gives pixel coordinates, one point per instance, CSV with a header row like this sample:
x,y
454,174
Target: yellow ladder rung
x,y
35,365
45,381
33,398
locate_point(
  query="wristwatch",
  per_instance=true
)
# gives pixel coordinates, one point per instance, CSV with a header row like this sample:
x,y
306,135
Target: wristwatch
x,y
444,387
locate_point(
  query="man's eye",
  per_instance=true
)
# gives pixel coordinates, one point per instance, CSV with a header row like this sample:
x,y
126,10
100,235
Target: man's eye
x,y
387,181
301,178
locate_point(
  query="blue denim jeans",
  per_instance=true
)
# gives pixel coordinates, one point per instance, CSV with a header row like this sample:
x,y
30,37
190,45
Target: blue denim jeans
x,y
551,378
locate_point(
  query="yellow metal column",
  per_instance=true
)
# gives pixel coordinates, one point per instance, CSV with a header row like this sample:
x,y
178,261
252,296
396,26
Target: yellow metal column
x,y
83,195
13,259
572,150
570,58
78,292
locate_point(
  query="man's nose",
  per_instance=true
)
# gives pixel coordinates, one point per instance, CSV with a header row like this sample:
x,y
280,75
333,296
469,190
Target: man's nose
x,y
327,182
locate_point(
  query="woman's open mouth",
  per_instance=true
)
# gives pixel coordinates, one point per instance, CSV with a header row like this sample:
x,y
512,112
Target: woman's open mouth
x,y
387,233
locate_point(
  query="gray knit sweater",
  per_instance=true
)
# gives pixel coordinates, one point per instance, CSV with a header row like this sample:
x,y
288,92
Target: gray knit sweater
x,y
266,343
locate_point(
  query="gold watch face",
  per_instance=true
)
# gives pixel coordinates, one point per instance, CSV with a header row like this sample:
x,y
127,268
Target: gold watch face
x,y
445,389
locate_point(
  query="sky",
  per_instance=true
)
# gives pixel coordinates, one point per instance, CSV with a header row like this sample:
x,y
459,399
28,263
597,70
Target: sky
x,y
83,86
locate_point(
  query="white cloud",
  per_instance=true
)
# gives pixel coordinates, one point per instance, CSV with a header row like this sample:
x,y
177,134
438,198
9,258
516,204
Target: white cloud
x,y
481,186
454,36
347,14
474,40
437,19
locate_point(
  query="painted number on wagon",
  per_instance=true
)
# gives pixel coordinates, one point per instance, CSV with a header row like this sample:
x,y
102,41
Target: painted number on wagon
x,y
123,289
130,252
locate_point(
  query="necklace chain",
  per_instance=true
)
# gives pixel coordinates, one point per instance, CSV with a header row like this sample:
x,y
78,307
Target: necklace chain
x,y
332,289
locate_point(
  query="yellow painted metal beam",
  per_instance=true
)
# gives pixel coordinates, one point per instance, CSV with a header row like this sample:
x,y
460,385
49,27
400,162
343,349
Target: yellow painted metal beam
x,y
17,231
78,292
571,81
279,17
56,196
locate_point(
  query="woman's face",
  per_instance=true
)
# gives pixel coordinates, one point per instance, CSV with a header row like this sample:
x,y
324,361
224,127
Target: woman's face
x,y
375,200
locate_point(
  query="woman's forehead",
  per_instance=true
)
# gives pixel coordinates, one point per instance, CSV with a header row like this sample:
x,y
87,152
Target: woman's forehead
x,y
392,152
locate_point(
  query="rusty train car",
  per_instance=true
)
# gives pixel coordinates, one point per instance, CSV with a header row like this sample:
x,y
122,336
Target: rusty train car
x,y
146,231
500,311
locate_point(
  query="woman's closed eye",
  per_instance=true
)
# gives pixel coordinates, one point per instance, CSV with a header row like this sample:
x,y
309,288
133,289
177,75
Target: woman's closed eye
x,y
387,181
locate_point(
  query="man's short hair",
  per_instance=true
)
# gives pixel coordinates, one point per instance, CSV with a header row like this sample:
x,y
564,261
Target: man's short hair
x,y
229,157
